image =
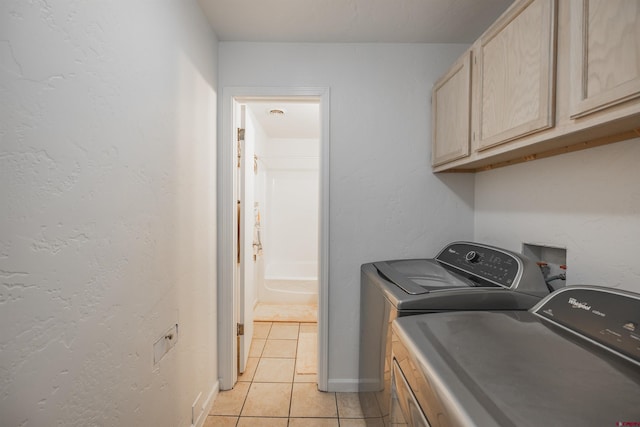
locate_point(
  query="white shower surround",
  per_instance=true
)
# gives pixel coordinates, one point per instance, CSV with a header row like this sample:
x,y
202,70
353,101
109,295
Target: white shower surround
x,y
290,223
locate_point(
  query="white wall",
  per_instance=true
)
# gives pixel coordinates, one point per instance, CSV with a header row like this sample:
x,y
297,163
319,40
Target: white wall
x,y
384,202
587,202
107,231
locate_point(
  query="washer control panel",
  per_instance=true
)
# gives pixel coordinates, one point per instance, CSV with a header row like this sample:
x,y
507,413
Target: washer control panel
x,y
492,264
609,317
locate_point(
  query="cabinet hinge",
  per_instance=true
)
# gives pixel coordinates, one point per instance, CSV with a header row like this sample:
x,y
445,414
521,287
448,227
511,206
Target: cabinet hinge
x,y
240,329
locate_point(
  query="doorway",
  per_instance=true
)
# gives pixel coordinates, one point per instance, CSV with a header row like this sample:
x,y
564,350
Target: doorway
x,y
267,203
279,190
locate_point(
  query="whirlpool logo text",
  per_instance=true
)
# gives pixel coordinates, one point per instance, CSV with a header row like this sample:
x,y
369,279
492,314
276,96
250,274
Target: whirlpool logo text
x,y
577,304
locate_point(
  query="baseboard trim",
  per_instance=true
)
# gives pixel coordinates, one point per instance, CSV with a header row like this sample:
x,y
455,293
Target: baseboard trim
x,y
206,406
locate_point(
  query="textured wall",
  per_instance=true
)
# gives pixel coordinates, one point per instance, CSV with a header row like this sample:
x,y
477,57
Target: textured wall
x,y
587,202
107,220
384,202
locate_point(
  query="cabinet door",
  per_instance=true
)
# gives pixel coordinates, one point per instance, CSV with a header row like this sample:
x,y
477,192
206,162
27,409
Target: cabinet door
x,y
605,49
516,73
451,107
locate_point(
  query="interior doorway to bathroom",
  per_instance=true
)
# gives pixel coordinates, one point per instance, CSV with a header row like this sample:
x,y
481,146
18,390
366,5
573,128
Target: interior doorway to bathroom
x,y
280,195
278,165
278,189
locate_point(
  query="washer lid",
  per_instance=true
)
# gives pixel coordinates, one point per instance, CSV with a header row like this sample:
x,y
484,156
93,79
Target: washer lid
x,y
419,276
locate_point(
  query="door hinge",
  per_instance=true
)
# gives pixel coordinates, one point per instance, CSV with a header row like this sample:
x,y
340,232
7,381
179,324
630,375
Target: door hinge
x,y
240,329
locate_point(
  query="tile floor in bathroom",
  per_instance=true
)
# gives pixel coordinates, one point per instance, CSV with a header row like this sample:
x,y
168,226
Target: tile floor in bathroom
x,y
279,386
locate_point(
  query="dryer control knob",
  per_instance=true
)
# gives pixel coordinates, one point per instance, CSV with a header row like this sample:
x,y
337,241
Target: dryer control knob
x,y
472,256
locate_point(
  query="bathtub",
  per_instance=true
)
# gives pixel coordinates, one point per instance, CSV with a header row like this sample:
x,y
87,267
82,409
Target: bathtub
x,y
289,283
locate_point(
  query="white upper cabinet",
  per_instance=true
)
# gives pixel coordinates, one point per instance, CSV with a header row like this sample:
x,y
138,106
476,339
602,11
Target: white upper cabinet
x,y
516,68
451,107
605,54
548,77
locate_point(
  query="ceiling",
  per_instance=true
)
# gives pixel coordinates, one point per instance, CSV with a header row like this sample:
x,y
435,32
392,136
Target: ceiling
x,y
346,21
342,21
299,119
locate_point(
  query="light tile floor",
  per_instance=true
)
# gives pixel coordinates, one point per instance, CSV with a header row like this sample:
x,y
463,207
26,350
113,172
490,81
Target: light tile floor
x,y
277,389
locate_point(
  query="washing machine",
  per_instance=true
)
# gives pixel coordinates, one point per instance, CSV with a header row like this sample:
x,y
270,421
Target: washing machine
x,y
572,360
462,276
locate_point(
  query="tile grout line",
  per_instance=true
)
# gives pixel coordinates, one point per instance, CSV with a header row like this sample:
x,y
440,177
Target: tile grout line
x,y
335,396
295,358
294,377
244,401
254,375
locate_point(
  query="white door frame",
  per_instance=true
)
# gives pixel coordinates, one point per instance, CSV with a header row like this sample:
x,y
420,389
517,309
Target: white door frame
x,y
227,152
